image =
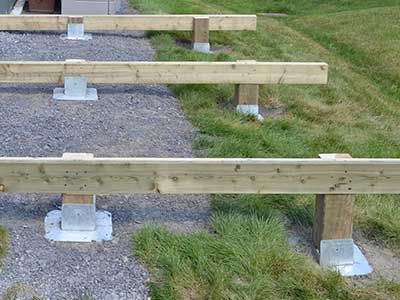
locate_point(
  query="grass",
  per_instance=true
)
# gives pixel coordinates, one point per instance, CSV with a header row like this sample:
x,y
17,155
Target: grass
x,y
371,46
357,113
247,257
19,291
3,242
295,7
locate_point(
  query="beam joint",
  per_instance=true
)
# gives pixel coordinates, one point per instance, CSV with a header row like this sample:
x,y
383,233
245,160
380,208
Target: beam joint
x,y
78,220
333,229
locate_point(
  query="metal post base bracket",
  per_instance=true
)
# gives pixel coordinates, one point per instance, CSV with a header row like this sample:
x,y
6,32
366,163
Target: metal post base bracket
x,y
103,231
76,32
75,89
251,110
202,47
343,256
78,216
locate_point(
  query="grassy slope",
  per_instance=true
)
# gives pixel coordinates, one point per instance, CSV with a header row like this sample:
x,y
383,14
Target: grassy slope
x,y
297,7
354,113
372,46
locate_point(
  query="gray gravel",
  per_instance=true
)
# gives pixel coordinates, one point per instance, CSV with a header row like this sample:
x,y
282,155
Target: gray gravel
x,y
126,121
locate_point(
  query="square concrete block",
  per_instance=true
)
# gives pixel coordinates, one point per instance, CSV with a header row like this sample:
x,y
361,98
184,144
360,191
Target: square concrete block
x,y
90,7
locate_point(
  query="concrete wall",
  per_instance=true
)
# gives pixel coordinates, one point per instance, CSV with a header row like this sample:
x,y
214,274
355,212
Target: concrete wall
x,y
90,7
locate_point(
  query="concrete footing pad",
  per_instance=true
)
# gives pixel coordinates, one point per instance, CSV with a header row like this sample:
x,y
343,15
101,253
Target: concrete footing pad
x,y
103,231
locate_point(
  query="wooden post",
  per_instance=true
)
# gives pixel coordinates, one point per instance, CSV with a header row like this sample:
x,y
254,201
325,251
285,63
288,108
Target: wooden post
x,y
333,213
201,28
78,221
75,20
246,96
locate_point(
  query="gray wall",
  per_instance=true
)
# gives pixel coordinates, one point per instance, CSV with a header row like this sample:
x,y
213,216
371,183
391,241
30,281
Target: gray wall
x,y
6,6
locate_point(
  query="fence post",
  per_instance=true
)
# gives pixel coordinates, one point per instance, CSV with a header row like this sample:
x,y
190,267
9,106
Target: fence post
x,y
333,229
201,29
246,97
78,220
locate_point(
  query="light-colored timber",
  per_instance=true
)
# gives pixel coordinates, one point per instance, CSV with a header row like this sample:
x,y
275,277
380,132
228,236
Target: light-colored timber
x,y
73,198
127,22
199,176
333,218
165,72
246,94
201,29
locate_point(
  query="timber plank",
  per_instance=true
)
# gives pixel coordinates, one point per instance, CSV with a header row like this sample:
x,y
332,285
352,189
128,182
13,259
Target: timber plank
x,y
165,72
200,176
127,22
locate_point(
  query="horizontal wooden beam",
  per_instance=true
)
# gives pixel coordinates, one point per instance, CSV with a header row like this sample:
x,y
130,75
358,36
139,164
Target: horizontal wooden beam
x,y
199,176
165,72
127,22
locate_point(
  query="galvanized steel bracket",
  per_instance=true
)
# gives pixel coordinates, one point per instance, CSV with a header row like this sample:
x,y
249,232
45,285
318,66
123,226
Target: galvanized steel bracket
x,y
77,222
344,256
251,110
76,32
75,89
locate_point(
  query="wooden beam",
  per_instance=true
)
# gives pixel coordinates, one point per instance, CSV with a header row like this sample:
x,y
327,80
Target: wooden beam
x,y
165,72
74,198
333,217
128,22
200,176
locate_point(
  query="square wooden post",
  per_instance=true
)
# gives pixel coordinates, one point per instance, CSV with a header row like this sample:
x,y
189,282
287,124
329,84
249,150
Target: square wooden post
x,y
246,97
78,211
333,213
201,28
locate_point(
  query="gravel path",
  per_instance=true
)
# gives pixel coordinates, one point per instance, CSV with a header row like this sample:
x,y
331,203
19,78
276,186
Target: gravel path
x,y
126,121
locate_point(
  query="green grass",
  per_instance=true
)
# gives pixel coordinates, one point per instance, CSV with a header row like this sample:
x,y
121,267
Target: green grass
x,y
293,7
247,257
357,113
3,242
19,291
371,46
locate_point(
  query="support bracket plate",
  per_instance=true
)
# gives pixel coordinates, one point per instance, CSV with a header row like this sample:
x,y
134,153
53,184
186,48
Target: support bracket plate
x,y
75,88
251,110
202,47
344,256
54,232
76,32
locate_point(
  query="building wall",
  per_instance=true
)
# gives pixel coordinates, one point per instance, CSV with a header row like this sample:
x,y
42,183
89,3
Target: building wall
x,y
6,6
90,7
